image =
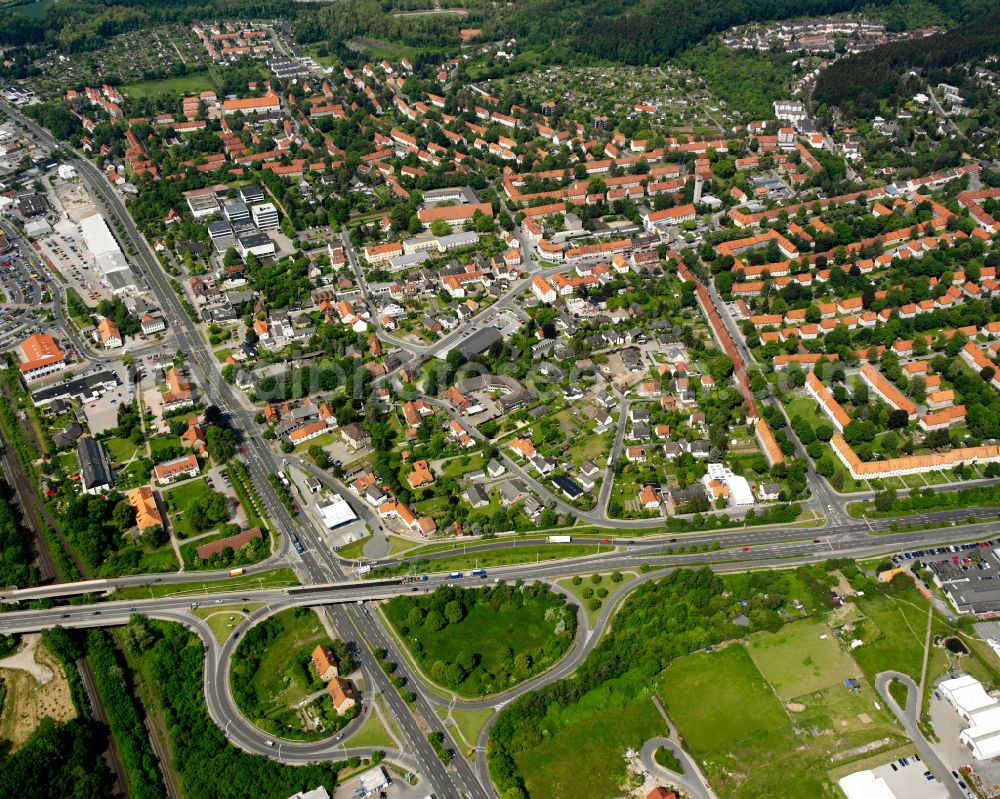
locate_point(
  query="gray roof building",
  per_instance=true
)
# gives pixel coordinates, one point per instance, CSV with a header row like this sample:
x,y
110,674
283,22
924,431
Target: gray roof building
x,y
95,472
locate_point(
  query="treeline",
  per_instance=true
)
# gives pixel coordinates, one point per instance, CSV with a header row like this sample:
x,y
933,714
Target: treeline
x,y
16,556
648,32
858,84
207,765
124,716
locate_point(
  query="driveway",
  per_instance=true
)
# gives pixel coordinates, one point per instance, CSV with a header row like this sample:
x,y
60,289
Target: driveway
x,y
690,782
908,718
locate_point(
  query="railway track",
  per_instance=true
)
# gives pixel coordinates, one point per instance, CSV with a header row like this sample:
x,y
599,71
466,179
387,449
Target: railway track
x,y
111,754
16,479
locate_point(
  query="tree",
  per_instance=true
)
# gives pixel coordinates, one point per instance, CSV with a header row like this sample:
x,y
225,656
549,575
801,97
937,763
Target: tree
x,y
454,612
319,456
123,515
884,500
221,443
435,621
440,228
898,419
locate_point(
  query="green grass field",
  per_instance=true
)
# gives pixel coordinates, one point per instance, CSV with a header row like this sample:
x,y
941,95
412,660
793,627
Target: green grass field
x,y
893,632
701,691
471,722
187,84
119,449
581,757
180,497
160,446
801,658
280,682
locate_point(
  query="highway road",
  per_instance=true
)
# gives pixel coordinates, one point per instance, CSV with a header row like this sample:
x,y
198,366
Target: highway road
x,y
341,597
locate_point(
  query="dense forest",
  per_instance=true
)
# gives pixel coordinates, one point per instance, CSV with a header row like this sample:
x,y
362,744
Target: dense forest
x,y
858,84
77,25
59,761
15,544
651,31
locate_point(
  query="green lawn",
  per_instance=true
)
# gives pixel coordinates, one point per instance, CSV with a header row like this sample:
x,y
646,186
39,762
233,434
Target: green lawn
x,y
160,446
183,495
510,635
578,591
801,658
353,551
471,722
372,733
581,757
186,84
274,679
120,449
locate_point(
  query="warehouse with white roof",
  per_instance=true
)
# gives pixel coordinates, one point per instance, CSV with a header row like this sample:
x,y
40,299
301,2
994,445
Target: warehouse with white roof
x,y
981,710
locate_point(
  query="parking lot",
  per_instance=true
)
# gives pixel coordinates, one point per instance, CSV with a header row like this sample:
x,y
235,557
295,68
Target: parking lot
x,y
102,414
908,777
70,257
16,274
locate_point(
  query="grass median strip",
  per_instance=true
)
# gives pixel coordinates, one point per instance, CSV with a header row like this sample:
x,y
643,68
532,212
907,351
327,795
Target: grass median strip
x,y
274,578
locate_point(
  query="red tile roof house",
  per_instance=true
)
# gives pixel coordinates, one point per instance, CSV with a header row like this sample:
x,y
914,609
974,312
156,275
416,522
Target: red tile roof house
x,y
186,466
887,391
234,542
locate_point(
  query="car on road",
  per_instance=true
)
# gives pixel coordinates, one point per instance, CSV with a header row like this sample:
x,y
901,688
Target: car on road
x,y
268,742
746,549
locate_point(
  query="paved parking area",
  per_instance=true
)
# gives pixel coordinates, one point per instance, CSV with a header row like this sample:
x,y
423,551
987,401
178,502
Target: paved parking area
x,y
102,414
68,254
397,789
910,781
16,277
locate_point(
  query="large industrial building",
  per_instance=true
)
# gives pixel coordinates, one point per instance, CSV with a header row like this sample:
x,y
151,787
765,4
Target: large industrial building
x,y
981,710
